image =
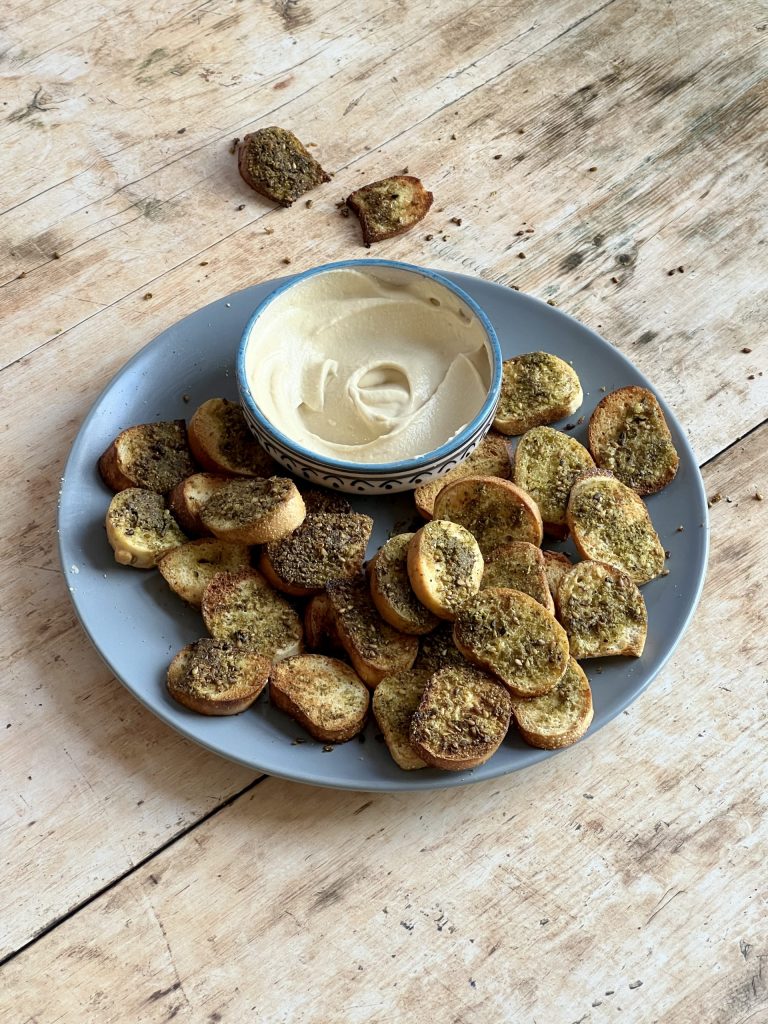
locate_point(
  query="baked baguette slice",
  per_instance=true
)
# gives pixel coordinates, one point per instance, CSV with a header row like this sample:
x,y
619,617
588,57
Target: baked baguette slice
x,y
536,388
241,608
445,566
519,566
513,636
222,442
390,206
327,546
322,694
394,701
547,462
140,529
372,645
556,565
188,497
392,592
629,436
496,512
217,678
155,456
276,165
560,717
490,458
324,501
462,718
610,523
189,568
437,650
602,611
253,511
320,633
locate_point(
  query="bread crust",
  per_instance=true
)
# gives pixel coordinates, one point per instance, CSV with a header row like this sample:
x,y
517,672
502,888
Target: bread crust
x,y
320,631
445,566
490,458
560,717
392,592
322,694
153,456
495,511
556,565
215,678
190,567
189,495
222,442
390,206
519,566
536,388
140,529
395,700
254,511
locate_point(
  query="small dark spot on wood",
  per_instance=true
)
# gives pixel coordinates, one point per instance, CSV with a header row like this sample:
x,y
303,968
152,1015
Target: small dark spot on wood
x,y
147,295
55,256
746,350
626,259
521,255
363,807
472,983
284,83
635,984
286,259
572,261
591,170
647,337
181,131
497,156
204,263
614,280
160,992
598,240
241,206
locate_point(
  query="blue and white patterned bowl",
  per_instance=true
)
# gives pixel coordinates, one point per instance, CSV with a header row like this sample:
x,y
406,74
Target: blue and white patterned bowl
x,y
358,477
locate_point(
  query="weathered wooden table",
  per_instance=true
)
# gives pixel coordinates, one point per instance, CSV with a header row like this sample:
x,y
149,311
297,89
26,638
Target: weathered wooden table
x,y
625,879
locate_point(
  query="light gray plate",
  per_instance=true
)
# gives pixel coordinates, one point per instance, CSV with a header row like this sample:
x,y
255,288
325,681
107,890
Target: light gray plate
x,y
137,624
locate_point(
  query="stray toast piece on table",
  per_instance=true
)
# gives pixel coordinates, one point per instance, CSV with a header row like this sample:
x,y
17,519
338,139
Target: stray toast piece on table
x,y
602,611
547,462
241,608
558,718
536,388
437,650
222,442
519,566
490,458
496,512
213,677
373,646
391,588
155,456
513,636
462,718
189,568
322,694
610,523
327,546
556,565
445,566
389,207
394,701
320,631
188,497
254,511
276,165
629,436
140,529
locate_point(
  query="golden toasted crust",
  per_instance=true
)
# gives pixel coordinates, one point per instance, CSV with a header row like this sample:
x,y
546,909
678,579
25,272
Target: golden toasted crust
x,y
391,588
394,701
322,694
189,568
556,565
547,462
519,566
189,495
217,678
560,717
155,456
254,511
140,529
610,523
496,512
629,436
536,388
445,566
513,636
602,611
241,608
390,206
490,458
320,631
462,718
222,442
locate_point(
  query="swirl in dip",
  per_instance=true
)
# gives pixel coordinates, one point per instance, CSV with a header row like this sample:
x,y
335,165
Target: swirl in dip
x,y
369,365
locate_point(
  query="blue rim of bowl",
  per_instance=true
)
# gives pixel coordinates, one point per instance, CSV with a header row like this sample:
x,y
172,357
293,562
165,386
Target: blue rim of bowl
x,y
373,467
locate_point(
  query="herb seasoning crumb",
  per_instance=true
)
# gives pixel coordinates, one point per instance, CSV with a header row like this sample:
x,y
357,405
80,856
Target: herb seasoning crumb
x,y
746,350
758,495
147,295
233,145
55,256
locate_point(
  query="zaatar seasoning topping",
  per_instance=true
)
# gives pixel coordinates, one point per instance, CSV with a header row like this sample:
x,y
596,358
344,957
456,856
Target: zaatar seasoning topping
x,y
276,164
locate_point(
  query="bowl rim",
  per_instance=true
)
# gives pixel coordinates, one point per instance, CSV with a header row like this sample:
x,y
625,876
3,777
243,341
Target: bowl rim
x,y
405,465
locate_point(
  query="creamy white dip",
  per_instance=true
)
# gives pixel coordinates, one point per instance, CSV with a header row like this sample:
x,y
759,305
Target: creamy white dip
x,y
371,365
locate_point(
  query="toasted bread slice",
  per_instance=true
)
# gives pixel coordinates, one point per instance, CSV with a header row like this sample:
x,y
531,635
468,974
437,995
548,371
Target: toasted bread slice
x,y
490,458
322,694
556,565
276,165
536,388
213,677
155,456
189,568
241,608
519,566
324,501
462,718
222,442
496,512
392,592
445,566
602,611
560,717
513,636
373,646
394,701
327,546
320,633
140,528
547,462
629,436
188,497
390,206
437,650
610,523
254,511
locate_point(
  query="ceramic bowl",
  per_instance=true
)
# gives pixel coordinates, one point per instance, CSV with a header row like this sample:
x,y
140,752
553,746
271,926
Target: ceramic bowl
x,y
370,478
